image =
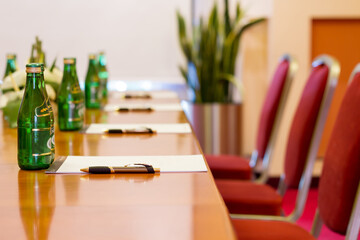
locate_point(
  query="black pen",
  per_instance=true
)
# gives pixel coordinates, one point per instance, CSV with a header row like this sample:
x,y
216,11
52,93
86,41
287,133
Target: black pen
x,y
145,109
144,96
131,131
136,168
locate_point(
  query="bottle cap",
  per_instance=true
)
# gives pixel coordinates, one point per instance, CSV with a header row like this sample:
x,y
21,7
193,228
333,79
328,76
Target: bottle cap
x,y
92,56
10,56
69,60
33,68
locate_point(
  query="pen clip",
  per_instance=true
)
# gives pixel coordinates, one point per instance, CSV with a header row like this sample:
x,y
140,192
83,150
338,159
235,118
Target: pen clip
x,y
142,130
139,130
148,167
137,109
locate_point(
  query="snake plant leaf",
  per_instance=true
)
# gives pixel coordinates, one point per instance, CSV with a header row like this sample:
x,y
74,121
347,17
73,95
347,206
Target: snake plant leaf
x,y
185,44
184,73
213,19
53,65
211,54
240,28
227,18
232,79
239,14
32,58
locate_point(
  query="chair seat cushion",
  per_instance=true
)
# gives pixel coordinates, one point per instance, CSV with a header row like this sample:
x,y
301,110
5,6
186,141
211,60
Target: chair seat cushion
x,y
269,230
246,197
229,167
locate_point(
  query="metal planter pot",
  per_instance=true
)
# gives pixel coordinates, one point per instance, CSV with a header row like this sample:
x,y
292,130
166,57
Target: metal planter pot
x,y
217,126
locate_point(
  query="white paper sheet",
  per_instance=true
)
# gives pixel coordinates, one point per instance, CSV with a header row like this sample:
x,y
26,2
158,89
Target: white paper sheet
x,y
156,107
176,163
153,94
97,128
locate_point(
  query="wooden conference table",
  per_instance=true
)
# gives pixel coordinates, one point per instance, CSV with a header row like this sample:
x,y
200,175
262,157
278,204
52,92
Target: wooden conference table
x,y
35,205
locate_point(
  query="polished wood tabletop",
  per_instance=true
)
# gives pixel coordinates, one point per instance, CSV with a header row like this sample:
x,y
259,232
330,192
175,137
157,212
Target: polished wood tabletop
x,y
35,205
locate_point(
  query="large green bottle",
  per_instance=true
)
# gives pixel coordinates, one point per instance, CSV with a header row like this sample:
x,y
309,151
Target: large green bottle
x,y
34,123
70,99
52,119
93,93
103,75
10,64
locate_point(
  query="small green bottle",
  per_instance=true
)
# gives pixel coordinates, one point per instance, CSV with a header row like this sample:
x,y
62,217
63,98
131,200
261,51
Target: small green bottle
x,y
103,74
34,123
10,64
70,99
52,119
93,93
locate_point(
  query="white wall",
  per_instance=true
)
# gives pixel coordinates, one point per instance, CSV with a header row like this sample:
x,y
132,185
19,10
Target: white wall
x,y
138,36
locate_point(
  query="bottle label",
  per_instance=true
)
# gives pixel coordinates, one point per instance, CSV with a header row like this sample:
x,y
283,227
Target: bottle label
x,y
95,94
41,141
75,90
76,111
42,110
49,105
52,138
103,75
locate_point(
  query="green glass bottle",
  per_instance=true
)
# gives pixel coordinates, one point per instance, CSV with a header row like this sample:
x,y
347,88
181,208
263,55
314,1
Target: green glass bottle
x,y
93,91
34,123
70,99
103,75
10,64
52,119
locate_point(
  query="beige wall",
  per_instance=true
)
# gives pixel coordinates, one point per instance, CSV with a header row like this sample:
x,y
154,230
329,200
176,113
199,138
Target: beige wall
x,y
253,64
289,30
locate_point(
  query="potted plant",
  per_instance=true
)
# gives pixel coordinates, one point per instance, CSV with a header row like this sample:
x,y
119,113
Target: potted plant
x,y
211,54
12,87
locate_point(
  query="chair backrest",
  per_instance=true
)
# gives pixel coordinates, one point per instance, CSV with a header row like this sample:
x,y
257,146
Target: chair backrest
x,y
272,111
339,182
307,127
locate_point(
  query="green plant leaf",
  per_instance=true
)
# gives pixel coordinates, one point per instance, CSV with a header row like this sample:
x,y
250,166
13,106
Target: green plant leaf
x,y
53,65
233,80
213,49
227,20
183,73
240,28
185,44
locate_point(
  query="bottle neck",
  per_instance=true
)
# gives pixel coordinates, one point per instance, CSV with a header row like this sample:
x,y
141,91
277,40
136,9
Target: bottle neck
x,y
69,71
42,83
67,68
102,60
35,81
92,66
10,67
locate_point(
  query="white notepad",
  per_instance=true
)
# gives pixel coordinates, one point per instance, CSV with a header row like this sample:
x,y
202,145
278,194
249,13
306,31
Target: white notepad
x,y
156,107
98,128
171,163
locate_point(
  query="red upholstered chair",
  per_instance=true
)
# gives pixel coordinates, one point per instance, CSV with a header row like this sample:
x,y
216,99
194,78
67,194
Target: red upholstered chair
x,y
245,197
339,189
237,167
